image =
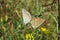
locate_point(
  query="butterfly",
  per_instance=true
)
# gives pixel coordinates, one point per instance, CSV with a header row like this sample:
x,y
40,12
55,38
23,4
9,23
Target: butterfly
x,y
35,22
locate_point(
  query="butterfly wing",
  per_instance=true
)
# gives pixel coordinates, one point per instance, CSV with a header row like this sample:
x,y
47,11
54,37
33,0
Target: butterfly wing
x,y
26,16
36,22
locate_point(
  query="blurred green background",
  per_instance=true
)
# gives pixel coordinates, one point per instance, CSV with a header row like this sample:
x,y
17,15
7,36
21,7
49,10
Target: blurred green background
x,y
11,21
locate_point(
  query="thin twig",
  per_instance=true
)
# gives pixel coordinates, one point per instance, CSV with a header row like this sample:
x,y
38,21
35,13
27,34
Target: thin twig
x,y
53,18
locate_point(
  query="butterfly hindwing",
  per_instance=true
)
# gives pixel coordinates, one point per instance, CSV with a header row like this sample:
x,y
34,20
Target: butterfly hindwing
x,y
36,22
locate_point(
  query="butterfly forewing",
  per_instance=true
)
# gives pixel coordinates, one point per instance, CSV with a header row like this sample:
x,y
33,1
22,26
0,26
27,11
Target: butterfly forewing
x,y
26,16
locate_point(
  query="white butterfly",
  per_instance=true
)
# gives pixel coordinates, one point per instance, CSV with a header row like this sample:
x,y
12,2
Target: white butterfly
x,y
35,22
26,16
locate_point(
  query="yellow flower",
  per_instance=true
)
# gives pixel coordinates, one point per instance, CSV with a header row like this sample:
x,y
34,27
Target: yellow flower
x,y
44,30
6,17
1,19
32,36
33,39
29,36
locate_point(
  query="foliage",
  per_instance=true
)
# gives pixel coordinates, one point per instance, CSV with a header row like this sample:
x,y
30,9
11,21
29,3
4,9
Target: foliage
x,y
11,22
